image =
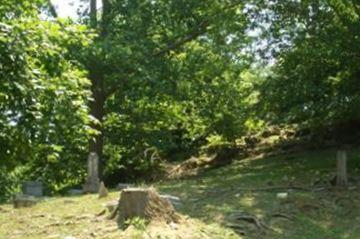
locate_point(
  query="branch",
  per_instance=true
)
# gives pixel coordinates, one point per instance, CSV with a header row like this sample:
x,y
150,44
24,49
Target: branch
x,y
115,88
193,34
176,43
52,9
197,31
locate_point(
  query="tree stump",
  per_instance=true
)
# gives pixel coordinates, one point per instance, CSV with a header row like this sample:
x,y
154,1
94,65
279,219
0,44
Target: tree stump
x,y
341,176
145,203
24,201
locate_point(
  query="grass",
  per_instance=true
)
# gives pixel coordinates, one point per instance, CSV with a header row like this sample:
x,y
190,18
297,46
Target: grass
x,y
209,200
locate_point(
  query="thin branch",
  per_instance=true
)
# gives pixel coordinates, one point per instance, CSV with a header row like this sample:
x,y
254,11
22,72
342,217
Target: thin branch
x,y
193,34
52,9
197,31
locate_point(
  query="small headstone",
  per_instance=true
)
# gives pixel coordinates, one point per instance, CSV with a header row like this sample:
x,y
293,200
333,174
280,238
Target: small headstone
x,y
24,201
122,186
33,188
175,201
92,182
75,192
103,192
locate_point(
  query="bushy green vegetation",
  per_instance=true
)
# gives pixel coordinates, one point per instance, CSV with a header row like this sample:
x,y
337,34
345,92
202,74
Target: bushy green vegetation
x,y
43,96
146,82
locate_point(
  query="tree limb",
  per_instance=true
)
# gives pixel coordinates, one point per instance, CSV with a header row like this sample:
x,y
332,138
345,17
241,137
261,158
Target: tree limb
x,y
193,34
52,9
197,31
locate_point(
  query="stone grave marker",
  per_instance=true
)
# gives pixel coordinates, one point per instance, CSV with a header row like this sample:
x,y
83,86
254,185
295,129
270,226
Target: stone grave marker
x,y
33,188
92,182
103,191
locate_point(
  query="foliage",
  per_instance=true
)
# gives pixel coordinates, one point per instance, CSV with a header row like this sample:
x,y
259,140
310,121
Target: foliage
x,y
170,77
137,222
315,79
157,81
43,95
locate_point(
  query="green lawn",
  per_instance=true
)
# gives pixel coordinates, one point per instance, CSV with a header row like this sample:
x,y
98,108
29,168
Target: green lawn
x,y
210,199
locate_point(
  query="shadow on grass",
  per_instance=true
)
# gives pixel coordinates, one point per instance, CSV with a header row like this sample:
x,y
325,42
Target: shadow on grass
x,y
214,195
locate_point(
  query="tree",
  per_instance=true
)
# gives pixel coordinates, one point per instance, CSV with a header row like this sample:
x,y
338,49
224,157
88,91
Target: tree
x,y
140,46
315,78
42,96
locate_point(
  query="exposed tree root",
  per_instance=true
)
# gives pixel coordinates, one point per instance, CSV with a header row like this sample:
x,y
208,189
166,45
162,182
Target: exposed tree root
x,y
101,213
283,215
114,213
260,224
238,228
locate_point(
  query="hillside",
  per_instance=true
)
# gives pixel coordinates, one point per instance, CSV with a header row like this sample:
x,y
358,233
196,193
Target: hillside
x,y
211,202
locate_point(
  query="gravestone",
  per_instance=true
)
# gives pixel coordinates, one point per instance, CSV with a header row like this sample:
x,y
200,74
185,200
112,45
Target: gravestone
x,y
122,186
103,191
75,192
33,188
92,182
175,201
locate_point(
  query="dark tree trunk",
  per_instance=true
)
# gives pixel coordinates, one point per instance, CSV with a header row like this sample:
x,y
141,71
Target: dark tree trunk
x,y
52,9
96,75
97,105
93,14
97,111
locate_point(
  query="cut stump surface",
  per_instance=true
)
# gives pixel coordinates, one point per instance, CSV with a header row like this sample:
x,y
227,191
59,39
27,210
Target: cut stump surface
x,y
145,203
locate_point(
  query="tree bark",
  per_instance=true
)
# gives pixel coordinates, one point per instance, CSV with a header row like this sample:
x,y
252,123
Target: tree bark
x,y
97,77
52,9
145,203
97,111
93,14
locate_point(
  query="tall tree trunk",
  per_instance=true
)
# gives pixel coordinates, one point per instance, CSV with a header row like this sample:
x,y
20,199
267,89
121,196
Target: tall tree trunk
x,y
97,105
97,111
93,14
97,76
52,9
